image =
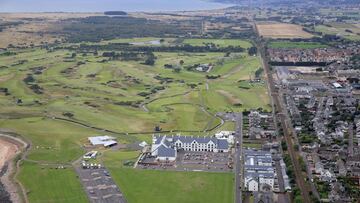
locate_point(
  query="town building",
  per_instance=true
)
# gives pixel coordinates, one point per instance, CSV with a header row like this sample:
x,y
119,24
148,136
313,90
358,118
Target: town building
x,y
258,170
165,148
228,135
106,141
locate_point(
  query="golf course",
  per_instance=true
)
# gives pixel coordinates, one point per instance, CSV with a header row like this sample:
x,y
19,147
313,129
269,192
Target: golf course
x,y
56,98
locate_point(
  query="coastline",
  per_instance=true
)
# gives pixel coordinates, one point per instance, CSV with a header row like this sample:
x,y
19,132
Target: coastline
x,y
10,148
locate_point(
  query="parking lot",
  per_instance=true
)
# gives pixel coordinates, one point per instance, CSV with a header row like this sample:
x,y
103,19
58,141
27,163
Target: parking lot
x,y
204,161
99,186
194,161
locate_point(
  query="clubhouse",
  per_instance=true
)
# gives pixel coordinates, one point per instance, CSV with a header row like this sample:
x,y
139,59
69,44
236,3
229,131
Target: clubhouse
x,y
165,148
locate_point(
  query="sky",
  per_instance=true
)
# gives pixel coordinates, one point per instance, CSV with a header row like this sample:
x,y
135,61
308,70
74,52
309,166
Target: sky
x,y
104,5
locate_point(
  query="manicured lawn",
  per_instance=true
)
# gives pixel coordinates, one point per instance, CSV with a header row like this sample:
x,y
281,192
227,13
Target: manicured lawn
x,y
165,186
44,184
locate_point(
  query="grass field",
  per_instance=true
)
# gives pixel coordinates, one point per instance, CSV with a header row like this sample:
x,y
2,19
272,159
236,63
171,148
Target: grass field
x,y
252,145
301,45
218,42
341,29
282,31
165,186
46,184
110,96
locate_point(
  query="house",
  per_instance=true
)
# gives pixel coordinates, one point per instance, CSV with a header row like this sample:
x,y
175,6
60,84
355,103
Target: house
x,y
337,85
143,144
341,167
165,148
228,135
327,176
165,153
286,179
353,162
319,168
204,67
252,185
106,141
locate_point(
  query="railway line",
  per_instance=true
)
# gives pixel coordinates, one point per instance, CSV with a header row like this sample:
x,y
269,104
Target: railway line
x,y
284,119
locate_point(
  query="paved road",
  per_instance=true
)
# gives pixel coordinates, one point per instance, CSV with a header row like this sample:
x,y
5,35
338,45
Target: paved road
x,y
280,175
238,155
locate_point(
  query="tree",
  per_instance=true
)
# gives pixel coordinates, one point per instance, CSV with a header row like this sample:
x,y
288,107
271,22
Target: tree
x,y
283,145
157,128
150,61
177,69
68,114
73,55
252,51
296,147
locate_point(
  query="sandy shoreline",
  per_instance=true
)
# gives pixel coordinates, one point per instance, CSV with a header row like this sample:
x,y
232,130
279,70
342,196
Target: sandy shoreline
x,y
8,150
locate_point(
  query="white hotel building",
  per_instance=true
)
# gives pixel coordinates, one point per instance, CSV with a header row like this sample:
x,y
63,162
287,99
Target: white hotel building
x,y
165,147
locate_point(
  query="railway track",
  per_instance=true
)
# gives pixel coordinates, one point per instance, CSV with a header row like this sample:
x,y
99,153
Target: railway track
x,y
284,120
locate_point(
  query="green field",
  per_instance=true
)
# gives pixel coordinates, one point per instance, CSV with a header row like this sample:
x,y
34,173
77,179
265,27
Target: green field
x,y
218,42
124,97
301,45
46,184
152,41
165,186
253,145
340,29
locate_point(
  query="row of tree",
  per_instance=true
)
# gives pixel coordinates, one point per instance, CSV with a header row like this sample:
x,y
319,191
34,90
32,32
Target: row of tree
x,y
131,48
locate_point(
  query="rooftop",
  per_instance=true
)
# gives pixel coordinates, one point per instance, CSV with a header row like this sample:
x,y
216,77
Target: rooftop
x,y
106,141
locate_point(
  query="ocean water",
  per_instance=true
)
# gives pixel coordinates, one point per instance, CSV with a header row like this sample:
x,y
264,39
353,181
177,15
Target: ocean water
x,y
105,5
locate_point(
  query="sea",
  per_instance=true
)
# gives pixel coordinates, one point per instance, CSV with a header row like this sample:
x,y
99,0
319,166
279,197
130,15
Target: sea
x,y
106,5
